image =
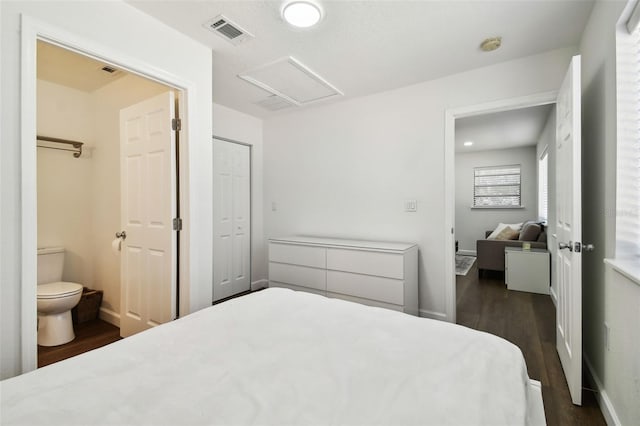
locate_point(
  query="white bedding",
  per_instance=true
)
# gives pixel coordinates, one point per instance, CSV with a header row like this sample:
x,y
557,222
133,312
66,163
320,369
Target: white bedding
x,y
279,357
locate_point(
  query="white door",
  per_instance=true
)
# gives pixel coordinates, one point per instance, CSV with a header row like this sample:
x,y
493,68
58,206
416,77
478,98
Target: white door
x,y
148,206
231,219
569,230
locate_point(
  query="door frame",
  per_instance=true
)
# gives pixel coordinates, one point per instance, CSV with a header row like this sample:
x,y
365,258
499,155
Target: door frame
x,y
33,30
543,98
220,138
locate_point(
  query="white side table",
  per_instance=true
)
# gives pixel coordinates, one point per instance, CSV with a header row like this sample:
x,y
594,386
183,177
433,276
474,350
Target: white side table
x,y
527,270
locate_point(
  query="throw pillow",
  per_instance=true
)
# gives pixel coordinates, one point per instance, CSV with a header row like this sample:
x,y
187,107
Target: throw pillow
x,y
501,226
507,233
530,232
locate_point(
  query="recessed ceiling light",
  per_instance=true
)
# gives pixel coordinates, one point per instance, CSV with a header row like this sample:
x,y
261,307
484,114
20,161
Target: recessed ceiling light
x,y
468,143
302,14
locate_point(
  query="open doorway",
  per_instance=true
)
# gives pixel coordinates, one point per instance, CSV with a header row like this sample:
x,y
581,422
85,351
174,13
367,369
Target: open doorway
x,y
451,116
86,196
499,161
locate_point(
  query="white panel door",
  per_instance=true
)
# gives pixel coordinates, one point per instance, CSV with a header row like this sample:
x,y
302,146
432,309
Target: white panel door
x,y
148,206
569,230
231,219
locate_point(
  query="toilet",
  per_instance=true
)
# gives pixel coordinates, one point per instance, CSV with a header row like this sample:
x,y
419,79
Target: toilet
x,y
56,298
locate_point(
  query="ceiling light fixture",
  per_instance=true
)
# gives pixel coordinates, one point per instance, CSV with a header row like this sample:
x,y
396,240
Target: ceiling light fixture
x,y
302,14
468,143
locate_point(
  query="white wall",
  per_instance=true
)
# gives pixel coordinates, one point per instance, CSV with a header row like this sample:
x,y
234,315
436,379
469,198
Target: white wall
x,y
608,296
345,169
64,182
240,127
471,224
547,140
117,28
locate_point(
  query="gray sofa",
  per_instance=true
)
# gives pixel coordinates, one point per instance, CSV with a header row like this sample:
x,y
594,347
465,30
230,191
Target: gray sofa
x,y
490,253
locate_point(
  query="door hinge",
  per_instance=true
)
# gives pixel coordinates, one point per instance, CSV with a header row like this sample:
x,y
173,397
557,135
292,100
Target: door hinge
x,y
176,124
177,224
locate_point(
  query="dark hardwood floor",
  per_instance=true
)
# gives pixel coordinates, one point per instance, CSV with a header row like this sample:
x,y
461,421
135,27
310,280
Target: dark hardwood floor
x,y
528,321
89,335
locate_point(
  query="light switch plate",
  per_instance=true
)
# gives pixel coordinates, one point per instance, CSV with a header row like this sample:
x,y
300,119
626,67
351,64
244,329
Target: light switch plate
x,y
411,206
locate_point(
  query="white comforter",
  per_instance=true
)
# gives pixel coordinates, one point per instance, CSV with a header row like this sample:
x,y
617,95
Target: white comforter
x,y
279,357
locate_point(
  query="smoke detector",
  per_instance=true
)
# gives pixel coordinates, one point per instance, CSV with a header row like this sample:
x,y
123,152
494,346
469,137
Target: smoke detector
x,y
228,30
491,44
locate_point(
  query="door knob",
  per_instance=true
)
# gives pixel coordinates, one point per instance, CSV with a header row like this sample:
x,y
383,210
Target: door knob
x,y
122,235
563,246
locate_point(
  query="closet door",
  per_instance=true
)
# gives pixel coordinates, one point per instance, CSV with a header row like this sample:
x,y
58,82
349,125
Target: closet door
x,y
231,219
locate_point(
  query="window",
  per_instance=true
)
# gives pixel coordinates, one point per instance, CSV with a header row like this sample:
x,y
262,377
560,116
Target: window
x,y
628,155
543,197
496,187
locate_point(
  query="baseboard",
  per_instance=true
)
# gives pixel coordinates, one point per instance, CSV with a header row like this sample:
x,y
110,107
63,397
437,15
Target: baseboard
x,y
604,402
433,315
109,316
554,297
260,284
467,253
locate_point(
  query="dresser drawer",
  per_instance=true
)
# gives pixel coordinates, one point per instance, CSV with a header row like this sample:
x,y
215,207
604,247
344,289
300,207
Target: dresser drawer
x,y
298,255
389,265
296,288
366,302
301,276
369,287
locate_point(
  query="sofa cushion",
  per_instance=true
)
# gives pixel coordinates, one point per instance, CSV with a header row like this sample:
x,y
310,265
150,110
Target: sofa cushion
x,y
530,232
508,233
501,226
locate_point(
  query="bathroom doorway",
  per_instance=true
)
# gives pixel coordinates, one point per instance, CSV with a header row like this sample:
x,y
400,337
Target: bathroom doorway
x,y
80,184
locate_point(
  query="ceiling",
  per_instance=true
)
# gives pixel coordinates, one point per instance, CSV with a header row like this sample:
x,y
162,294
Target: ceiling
x,y
67,68
500,130
364,47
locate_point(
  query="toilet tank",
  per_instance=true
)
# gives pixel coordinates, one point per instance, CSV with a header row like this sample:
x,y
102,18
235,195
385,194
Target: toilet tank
x,y
50,264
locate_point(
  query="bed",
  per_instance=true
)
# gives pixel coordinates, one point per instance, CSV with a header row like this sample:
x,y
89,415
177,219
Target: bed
x,y
281,357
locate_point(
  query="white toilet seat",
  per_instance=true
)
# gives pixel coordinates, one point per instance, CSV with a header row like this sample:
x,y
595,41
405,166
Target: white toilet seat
x,y
58,289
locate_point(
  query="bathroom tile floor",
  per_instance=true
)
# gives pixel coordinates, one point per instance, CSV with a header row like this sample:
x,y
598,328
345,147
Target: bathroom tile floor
x,y
89,335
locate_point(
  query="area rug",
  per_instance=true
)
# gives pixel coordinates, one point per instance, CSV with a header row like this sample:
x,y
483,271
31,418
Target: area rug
x,y
463,264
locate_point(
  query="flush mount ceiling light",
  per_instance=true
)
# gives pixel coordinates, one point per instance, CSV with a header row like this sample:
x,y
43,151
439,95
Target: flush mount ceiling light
x,y
302,14
491,44
468,143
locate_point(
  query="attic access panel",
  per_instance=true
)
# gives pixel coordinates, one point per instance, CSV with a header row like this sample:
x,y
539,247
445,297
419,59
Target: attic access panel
x,y
289,79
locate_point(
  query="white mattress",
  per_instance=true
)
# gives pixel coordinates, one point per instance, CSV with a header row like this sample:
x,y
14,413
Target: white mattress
x,y
279,357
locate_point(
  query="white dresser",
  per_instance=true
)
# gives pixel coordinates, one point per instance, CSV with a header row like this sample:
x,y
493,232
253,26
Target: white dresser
x,y
383,274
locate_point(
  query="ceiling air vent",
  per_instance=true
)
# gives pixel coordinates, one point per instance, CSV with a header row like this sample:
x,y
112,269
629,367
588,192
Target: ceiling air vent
x,y
228,30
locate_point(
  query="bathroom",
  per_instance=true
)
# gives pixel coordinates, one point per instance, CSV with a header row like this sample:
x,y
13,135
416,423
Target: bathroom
x,y
79,197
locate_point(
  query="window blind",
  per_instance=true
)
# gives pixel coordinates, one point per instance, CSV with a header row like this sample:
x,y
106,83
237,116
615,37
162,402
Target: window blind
x,y
628,156
496,186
